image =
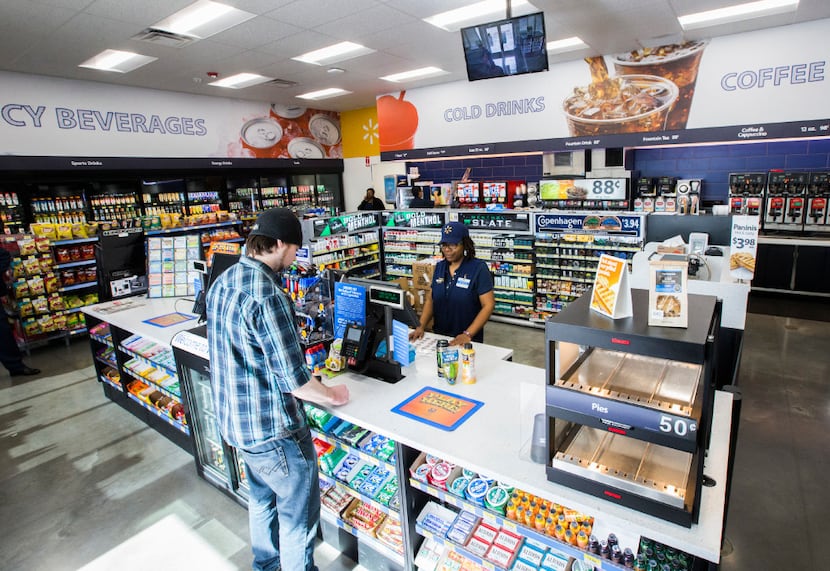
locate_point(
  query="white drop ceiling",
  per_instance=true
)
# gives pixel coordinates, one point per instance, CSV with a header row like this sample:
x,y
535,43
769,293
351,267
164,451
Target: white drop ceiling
x,y
51,37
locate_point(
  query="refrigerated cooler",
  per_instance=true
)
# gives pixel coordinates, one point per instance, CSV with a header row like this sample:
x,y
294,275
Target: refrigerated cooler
x,y
216,461
629,405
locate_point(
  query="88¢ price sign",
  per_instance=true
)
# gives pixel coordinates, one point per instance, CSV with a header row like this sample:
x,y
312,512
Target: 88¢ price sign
x,y
606,188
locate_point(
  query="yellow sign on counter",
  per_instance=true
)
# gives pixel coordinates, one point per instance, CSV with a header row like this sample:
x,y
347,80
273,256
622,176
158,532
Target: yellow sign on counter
x,y
611,295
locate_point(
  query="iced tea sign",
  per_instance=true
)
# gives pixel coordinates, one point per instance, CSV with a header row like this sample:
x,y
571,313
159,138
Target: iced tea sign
x,y
743,247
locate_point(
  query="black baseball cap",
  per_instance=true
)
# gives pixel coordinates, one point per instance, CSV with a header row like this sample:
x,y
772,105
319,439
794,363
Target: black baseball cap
x,y
279,224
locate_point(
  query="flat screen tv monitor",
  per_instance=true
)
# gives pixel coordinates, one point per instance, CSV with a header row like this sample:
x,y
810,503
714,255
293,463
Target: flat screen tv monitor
x,y
512,46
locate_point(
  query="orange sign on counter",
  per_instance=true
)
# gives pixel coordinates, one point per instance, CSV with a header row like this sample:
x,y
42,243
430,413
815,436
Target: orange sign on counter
x,y
611,295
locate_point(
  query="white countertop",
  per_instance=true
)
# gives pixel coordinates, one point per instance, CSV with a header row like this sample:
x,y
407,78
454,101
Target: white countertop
x,y
140,309
492,439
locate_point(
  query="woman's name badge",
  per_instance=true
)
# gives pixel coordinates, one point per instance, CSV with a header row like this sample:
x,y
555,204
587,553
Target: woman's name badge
x,y
463,283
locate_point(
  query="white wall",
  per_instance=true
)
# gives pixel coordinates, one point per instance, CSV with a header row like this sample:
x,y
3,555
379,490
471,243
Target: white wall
x,y
357,177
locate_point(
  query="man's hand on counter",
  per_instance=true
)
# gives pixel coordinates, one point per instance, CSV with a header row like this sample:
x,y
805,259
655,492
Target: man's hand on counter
x,y
315,391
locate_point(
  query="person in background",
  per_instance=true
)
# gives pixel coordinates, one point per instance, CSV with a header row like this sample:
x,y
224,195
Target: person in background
x,y
418,201
462,297
259,373
10,354
370,202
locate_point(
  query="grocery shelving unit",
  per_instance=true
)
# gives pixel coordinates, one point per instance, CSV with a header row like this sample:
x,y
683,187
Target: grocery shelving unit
x,y
408,237
348,242
568,248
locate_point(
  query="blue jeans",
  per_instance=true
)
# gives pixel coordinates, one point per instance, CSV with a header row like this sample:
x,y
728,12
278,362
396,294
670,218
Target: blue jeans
x,y
284,504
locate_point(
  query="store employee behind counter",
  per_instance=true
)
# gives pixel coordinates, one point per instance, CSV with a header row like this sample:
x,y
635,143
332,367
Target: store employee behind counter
x,y
258,373
462,297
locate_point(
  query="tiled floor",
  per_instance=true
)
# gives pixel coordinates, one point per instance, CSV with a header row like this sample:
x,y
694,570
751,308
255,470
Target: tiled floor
x,y
85,485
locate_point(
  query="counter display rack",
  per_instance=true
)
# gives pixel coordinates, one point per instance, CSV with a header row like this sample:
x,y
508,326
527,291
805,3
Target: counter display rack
x,y
243,196
409,237
629,405
568,248
274,192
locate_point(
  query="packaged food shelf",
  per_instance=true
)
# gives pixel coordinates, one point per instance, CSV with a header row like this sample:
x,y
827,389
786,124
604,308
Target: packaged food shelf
x,y
374,460
376,544
105,340
77,286
344,487
176,395
74,264
111,383
72,241
189,229
177,425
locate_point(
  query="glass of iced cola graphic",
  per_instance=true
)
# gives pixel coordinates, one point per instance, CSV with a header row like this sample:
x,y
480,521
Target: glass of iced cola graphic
x,y
676,62
624,104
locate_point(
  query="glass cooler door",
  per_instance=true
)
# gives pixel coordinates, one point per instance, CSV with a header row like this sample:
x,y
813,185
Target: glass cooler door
x,y
210,452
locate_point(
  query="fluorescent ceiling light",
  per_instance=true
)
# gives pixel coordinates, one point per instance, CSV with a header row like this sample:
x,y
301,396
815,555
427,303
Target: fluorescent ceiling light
x,y
324,93
241,80
334,53
453,20
736,13
566,44
116,60
203,19
419,73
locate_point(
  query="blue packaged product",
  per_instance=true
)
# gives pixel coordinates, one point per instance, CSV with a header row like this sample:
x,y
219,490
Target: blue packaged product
x,y
531,555
459,486
476,490
520,565
464,515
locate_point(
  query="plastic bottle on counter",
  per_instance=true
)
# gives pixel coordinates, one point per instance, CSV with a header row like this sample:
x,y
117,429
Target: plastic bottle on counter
x,y
439,351
468,364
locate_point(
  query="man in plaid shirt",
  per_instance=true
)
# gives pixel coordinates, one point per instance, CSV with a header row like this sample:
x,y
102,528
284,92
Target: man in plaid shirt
x,y
258,372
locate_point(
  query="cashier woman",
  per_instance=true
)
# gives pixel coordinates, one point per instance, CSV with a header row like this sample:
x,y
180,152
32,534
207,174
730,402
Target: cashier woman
x,y
462,290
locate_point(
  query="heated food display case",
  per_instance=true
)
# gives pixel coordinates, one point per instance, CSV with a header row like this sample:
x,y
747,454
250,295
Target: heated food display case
x,y
629,405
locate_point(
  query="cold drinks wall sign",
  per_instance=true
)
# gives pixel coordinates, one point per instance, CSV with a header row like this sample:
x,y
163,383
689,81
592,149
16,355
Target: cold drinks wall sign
x,y
757,85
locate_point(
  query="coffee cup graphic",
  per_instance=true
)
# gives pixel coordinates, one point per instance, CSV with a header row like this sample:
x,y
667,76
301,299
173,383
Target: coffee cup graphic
x,y
678,63
623,104
397,123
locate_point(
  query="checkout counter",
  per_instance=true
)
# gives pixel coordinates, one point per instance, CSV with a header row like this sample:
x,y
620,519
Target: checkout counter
x,y
493,441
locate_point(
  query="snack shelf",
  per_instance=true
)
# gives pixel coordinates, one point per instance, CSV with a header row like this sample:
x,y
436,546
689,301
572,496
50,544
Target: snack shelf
x,y
77,286
72,241
330,481
112,364
177,397
148,361
499,521
113,384
105,340
78,331
74,264
189,228
376,544
375,461
177,425
458,548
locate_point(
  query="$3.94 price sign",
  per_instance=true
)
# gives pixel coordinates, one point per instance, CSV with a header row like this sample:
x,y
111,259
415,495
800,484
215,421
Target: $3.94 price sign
x,y
743,247
606,188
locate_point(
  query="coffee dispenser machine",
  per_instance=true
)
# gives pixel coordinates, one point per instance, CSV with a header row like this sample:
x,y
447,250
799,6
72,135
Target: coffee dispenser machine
x,y
688,195
644,195
785,200
818,194
746,192
666,200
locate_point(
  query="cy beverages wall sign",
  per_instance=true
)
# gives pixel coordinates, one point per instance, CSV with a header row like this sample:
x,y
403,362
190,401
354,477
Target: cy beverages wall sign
x,y
758,85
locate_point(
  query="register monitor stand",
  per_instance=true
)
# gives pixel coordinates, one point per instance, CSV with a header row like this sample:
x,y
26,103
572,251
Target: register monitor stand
x,y
384,369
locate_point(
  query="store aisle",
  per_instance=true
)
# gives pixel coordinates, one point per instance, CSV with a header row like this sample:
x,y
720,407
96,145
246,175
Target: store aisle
x,y
84,483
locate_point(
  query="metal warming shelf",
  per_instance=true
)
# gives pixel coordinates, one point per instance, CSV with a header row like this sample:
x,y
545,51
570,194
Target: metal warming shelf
x,y
656,383
642,468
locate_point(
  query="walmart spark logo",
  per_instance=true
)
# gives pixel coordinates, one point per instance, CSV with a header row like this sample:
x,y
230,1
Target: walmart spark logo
x,y
370,131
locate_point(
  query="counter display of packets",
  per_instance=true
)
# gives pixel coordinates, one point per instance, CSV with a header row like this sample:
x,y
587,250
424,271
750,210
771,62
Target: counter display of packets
x,y
349,433
320,419
389,532
336,500
150,350
155,376
363,516
378,446
436,518
170,265
373,483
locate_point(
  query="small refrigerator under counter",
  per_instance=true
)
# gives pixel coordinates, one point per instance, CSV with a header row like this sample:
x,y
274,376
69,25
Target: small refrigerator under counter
x,y
216,461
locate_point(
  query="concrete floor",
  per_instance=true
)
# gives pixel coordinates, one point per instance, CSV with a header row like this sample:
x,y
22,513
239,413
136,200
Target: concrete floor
x,y
84,484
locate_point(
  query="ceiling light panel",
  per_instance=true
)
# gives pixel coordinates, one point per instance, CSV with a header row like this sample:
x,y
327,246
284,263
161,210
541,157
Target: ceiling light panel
x,y
333,54
241,81
324,93
203,19
479,12
117,61
411,75
736,13
566,45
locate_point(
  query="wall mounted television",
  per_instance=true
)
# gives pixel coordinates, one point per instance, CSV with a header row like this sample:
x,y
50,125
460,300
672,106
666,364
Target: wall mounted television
x,y
512,46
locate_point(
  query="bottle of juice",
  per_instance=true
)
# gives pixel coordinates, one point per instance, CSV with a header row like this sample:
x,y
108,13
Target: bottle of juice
x,y
468,364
